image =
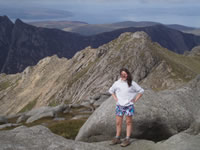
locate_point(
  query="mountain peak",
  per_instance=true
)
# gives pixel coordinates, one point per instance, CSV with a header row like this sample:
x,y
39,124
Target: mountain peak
x,y
18,21
141,34
5,19
139,38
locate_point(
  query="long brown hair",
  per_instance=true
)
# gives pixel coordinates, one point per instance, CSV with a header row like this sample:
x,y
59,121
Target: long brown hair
x,y
129,77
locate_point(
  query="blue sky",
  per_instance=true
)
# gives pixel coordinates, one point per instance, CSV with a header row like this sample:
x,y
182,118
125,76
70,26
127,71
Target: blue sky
x,y
185,12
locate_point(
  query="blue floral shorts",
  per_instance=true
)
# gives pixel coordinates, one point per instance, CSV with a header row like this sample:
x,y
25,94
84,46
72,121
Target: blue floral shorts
x,y
127,110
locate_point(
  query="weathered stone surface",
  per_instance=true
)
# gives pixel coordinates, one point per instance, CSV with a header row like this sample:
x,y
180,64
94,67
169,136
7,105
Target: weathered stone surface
x,y
43,112
181,141
135,145
40,138
22,118
39,116
157,117
8,125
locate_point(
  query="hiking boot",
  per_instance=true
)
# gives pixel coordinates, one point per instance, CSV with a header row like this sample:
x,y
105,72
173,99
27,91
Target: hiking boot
x,y
125,143
115,141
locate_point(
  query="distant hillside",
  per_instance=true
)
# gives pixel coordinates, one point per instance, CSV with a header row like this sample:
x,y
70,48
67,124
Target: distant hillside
x,y
91,72
24,45
169,38
195,32
57,24
92,29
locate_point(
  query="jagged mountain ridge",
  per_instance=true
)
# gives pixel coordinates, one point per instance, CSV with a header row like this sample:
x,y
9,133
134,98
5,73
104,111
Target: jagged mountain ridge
x,y
92,71
29,44
24,45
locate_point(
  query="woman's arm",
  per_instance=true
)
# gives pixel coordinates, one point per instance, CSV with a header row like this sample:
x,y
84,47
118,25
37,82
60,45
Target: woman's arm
x,y
115,97
137,97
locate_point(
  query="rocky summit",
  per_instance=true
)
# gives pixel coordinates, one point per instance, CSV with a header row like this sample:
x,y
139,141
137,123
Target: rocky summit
x,y
87,76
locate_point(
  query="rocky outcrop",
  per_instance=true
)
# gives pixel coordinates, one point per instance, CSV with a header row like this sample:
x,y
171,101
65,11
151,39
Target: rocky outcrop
x,y
8,125
42,112
194,52
87,76
40,137
181,141
158,115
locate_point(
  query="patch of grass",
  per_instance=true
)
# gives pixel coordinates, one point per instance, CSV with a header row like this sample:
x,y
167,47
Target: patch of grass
x,y
114,60
44,121
67,128
53,102
4,85
29,106
184,67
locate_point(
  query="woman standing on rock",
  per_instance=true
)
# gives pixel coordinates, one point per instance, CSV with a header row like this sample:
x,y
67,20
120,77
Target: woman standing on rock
x,y
125,92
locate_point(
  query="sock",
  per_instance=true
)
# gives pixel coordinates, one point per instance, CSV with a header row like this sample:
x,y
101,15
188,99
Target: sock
x,y
118,137
128,137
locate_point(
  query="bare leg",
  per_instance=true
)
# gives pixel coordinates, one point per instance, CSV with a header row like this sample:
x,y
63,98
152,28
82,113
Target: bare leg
x,y
128,125
119,120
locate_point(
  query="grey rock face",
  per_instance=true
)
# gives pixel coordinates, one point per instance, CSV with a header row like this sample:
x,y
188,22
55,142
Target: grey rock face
x,y
41,112
3,119
40,138
181,141
8,125
39,116
157,117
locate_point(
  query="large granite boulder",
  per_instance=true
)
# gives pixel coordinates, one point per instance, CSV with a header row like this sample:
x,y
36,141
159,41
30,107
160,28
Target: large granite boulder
x,y
180,141
158,115
40,138
41,112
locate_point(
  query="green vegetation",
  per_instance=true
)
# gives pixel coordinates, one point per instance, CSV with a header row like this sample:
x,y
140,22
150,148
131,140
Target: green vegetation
x,y
184,67
66,128
29,106
4,85
53,102
122,42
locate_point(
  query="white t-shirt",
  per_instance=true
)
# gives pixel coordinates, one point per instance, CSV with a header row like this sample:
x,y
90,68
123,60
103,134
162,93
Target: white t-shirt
x,y
125,93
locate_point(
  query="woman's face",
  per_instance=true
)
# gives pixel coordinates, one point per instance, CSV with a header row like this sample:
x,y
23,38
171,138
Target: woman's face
x,y
124,75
